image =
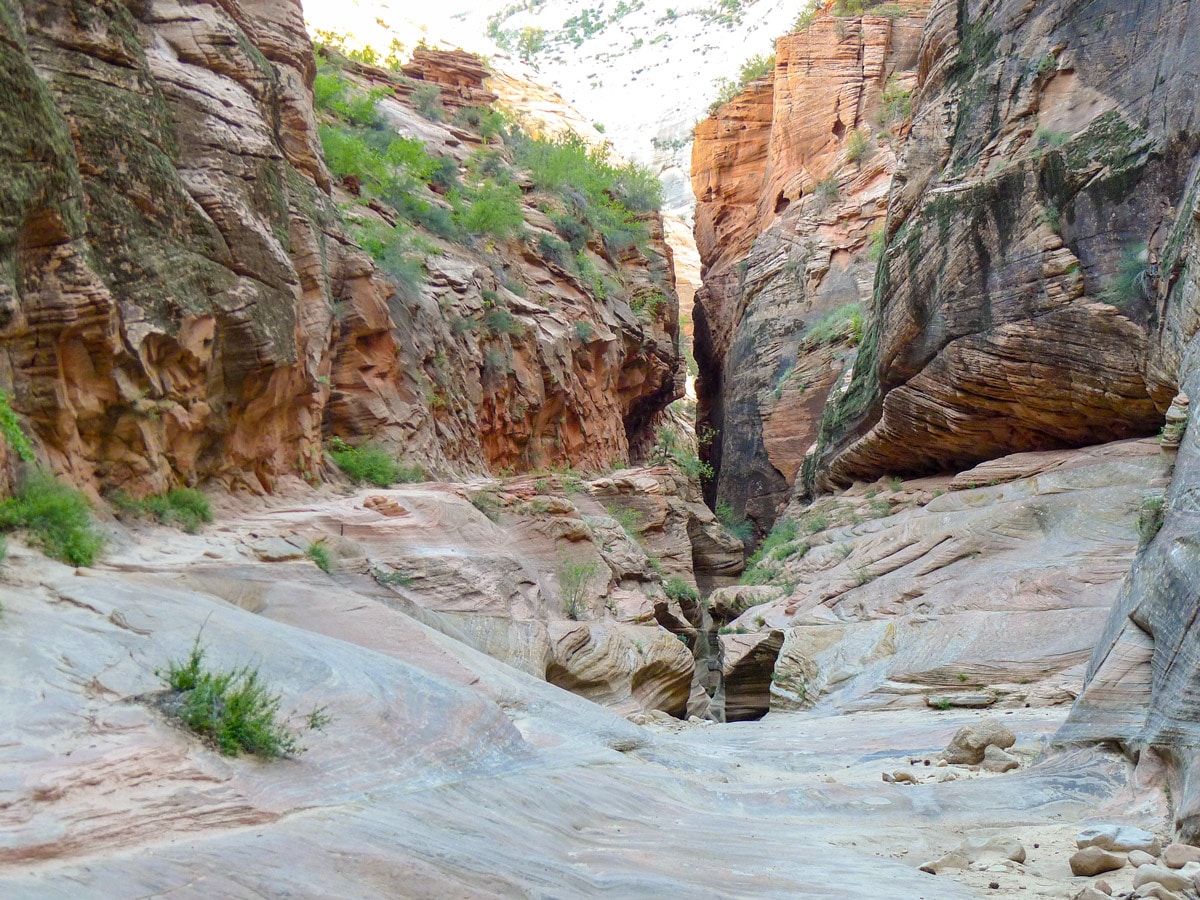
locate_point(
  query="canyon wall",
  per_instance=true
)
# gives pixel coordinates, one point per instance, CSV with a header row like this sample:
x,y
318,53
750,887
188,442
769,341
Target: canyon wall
x,y
180,297
1036,291
791,180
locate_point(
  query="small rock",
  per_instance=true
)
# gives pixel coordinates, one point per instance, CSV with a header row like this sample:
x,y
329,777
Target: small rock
x,y
1090,893
1141,858
997,760
1122,838
968,744
1094,861
1168,878
1176,856
903,778
1103,887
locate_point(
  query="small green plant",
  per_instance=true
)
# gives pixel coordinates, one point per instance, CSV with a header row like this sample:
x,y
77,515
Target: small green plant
x,y
842,324
393,579
878,245
627,517
895,484
857,145
487,504
962,676
1135,279
1151,517
234,710
56,516
670,450
739,526
410,473
679,590
584,331
573,579
10,430
368,463
501,321
896,103
827,191
942,704
754,68
318,552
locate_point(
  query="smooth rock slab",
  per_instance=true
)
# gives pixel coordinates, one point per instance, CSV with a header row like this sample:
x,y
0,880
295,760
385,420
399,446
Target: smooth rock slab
x,y
1122,838
1095,861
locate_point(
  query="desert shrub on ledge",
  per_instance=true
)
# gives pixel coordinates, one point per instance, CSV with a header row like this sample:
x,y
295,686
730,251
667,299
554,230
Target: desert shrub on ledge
x,y
185,508
372,464
234,710
56,517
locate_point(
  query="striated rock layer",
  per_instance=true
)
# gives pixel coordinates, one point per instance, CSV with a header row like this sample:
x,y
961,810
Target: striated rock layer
x,y
1014,303
791,180
179,299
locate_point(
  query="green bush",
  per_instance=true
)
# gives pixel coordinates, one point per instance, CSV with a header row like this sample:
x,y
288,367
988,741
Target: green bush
x,y
234,709
390,248
489,208
584,331
669,450
754,68
56,516
1134,281
739,526
573,579
186,508
843,323
627,517
1151,517
427,98
896,103
679,590
857,146
368,463
318,552
10,430
501,321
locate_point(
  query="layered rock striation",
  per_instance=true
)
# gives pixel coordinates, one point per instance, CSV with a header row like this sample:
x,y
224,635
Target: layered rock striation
x,y
181,298
791,180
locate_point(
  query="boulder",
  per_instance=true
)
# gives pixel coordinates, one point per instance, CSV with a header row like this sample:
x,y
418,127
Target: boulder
x,y
1122,838
1176,856
969,743
977,850
1141,858
1157,891
1095,861
997,760
1168,878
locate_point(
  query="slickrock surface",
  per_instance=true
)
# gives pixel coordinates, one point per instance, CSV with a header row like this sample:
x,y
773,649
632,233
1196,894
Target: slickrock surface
x,y
785,220
448,772
911,593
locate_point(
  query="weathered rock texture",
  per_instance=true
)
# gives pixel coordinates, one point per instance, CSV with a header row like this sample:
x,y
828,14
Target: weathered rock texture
x,y
791,180
1014,305
994,593
179,299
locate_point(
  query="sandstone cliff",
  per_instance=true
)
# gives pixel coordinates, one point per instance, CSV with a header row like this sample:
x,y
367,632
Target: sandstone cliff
x,y
791,180
181,298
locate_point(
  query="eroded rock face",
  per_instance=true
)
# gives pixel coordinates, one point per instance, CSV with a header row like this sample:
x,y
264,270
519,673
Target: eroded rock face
x,y
916,594
1007,317
791,180
180,299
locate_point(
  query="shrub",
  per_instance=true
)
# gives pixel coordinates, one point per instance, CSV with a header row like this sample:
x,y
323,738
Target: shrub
x,y
488,505
896,103
427,98
573,579
827,190
57,516
628,518
1150,518
234,710
857,146
679,590
878,245
389,247
367,463
10,430
584,331
500,321
739,526
186,508
318,552
752,69
491,209
843,323
410,473
1134,281
669,451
